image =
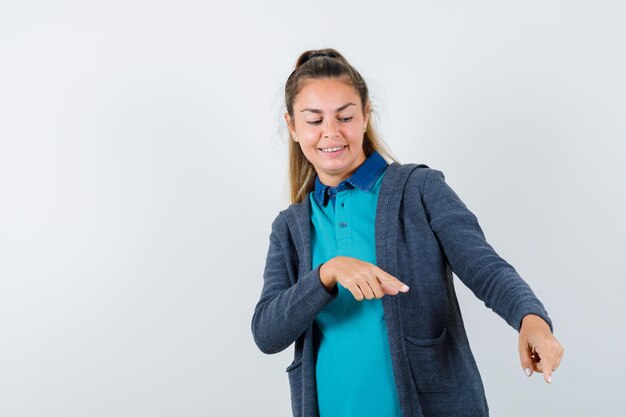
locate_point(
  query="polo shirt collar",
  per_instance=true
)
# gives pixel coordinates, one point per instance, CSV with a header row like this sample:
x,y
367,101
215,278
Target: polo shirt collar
x,y
363,178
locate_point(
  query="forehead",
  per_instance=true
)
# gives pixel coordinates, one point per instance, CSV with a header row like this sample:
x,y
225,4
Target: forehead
x,y
326,93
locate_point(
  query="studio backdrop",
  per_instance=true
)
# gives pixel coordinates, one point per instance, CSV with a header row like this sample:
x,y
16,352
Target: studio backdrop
x,y
143,157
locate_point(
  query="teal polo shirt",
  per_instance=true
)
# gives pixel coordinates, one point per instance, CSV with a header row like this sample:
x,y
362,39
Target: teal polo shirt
x,y
353,369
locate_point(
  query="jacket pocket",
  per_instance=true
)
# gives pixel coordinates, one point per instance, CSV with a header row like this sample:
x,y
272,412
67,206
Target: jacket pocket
x,y
294,371
430,363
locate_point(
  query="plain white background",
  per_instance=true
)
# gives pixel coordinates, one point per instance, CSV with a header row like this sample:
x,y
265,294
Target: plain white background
x,y
143,158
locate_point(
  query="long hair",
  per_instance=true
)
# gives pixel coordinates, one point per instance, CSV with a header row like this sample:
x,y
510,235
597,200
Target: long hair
x,y
316,64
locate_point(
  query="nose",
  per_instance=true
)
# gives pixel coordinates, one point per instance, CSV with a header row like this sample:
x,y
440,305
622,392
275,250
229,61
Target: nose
x,y
330,128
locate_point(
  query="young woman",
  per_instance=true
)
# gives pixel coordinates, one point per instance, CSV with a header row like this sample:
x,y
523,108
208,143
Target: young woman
x,y
359,269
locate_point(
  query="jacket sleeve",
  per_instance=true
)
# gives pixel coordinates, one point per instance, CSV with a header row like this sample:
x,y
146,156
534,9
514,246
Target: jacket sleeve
x,y
472,259
285,311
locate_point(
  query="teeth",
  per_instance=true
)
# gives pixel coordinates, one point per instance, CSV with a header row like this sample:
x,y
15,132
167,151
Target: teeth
x,y
332,149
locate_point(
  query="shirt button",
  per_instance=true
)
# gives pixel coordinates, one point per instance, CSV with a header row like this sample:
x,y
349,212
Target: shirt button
x,y
342,205
343,224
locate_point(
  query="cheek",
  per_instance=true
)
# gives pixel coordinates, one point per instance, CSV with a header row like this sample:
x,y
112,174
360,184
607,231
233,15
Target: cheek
x,y
307,145
354,134
310,136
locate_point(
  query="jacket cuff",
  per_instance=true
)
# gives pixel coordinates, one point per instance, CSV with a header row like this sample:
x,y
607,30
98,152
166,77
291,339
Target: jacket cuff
x,y
316,294
525,308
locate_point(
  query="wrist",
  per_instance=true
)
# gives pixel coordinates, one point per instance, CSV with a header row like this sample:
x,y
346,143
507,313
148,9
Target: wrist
x,y
326,276
534,320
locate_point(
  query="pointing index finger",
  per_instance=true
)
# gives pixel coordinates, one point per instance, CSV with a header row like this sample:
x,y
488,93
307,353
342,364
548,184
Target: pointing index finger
x,y
547,365
392,282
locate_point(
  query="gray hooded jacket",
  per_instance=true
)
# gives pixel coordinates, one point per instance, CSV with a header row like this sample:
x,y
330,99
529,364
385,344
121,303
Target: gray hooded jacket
x,y
424,232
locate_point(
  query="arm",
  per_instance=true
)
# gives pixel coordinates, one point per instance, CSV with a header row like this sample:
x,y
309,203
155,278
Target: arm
x,y
472,259
490,277
285,311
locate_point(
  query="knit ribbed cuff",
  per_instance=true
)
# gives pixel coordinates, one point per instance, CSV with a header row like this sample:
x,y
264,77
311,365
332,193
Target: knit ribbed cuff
x,y
525,308
316,296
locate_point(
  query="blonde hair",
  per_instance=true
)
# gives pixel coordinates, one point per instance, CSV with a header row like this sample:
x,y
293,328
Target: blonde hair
x,y
315,64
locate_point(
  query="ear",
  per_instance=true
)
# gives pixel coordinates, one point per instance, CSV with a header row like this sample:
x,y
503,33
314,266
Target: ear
x,y
366,112
290,125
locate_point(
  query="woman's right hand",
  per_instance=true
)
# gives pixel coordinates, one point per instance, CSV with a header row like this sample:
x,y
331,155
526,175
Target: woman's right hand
x,y
363,279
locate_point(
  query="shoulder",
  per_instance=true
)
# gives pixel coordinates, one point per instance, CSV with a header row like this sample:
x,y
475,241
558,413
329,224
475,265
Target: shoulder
x,y
294,213
295,209
413,175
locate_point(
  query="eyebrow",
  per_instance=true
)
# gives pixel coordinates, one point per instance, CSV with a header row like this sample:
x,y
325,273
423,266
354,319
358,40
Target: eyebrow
x,y
345,106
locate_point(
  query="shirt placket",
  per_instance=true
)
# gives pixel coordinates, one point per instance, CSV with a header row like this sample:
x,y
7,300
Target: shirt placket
x,y
342,223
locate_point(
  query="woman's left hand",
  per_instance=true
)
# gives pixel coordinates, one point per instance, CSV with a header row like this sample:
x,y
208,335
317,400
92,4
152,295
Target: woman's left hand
x,y
538,348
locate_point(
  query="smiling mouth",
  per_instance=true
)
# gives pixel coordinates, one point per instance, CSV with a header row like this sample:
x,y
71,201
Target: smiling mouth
x,y
335,149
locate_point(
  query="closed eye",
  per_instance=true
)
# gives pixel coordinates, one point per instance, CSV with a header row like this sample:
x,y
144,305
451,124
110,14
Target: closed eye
x,y
345,119
314,122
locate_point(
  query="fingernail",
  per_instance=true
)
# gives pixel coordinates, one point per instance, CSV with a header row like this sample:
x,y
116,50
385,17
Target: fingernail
x,y
528,371
550,379
404,288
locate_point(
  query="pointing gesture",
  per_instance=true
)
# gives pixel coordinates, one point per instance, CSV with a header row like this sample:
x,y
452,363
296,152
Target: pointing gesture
x,y
363,279
538,348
